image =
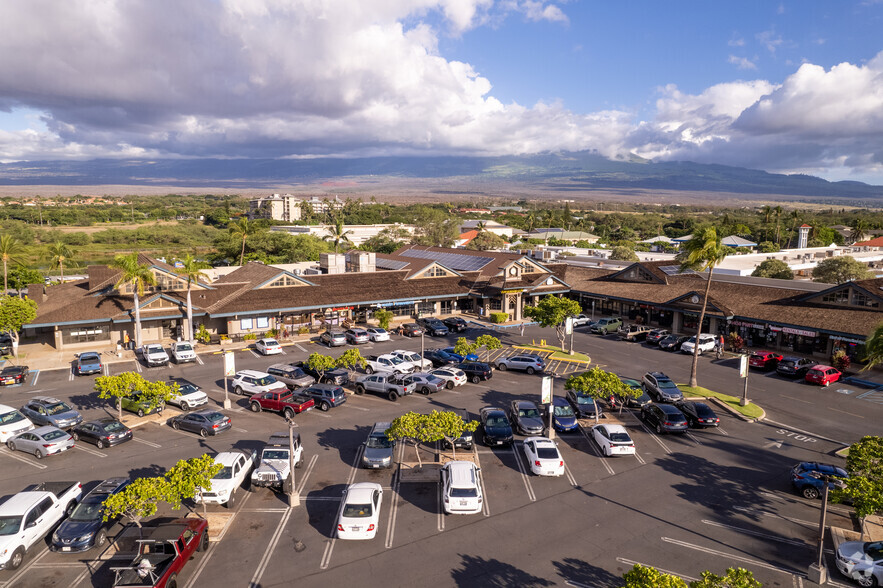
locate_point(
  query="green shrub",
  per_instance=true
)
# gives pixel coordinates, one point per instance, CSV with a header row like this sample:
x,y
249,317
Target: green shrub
x,y
249,337
272,333
383,317
303,330
202,335
499,317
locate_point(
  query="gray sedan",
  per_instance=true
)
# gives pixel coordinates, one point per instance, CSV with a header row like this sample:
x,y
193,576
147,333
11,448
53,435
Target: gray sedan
x,y
426,383
526,417
41,442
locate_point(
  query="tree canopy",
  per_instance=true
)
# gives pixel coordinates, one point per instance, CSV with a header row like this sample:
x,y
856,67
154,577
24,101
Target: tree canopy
x,y
15,312
428,428
864,488
133,384
551,312
598,384
623,253
646,577
773,268
836,270
486,241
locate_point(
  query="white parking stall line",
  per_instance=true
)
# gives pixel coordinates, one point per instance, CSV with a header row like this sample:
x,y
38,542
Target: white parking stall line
x,y
640,459
262,566
730,556
205,559
630,562
145,442
70,376
138,367
440,510
82,576
722,432
239,429
307,472
756,533
106,368
524,478
26,568
570,477
298,345
282,351
356,407
321,414
36,375
326,556
756,511
693,438
657,439
253,352
485,509
22,459
790,497
88,450
393,509
199,360
603,459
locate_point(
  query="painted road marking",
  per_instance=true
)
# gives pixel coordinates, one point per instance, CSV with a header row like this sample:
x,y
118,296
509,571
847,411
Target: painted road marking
x,y
807,433
796,399
657,439
524,478
199,360
756,533
298,345
570,477
145,442
26,568
393,510
849,413
596,452
262,566
36,375
90,451
22,459
307,472
797,436
633,563
745,560
693,437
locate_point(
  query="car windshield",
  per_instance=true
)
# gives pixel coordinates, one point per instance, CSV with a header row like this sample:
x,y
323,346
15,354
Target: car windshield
x,y
270,342
184,389
435,380
226,473
563,411
54,435
411,356
265,381
114,427
86,511
529,413
586,400
377,442
11,417
184,347
667,384
214,416
9,525
378,331
154,349
464,492
395,360
357,511
620,438
275,454
57,408
547,453
338,336
497,421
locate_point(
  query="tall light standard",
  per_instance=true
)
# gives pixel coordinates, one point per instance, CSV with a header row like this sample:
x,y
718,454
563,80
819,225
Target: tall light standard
x,y
818,572
293,495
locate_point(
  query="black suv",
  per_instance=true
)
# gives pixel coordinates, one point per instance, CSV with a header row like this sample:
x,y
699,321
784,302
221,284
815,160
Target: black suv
x,y
698,414
85,527
440,358
325,395
665,418
455,324
495,426
336,376
476,371
432,326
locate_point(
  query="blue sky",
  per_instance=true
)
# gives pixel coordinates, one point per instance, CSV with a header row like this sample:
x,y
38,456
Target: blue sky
x,y
793,87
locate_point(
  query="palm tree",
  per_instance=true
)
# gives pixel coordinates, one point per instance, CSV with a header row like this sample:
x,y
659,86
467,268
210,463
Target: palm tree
x,y
530,222
480,227
138,276
874,348
338,234
858,231
767,212
191,270
778,212
11,251
703,252
796,217
242,229
60,253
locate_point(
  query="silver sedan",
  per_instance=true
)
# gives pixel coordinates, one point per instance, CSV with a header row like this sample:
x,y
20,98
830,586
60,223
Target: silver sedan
x,y
41,442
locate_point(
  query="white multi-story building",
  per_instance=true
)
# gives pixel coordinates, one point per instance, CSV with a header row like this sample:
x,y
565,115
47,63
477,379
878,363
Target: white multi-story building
x,y
288,207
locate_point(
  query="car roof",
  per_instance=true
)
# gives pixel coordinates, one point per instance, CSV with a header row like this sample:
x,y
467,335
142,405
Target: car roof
x,y
559,401
462,473
668,408
361,491
254,373
491,409
269,339
524,403
43,430
102,421
542,442
614,428
108,486
283,366
45,399
4,408
380,427
820,366
228,458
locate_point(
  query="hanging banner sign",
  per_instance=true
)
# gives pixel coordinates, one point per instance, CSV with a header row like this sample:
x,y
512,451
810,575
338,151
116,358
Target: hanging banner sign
x,y
847,339
799,332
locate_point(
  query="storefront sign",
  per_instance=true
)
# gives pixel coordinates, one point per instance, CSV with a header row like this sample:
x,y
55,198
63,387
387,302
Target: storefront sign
x,y
342,308
402,303
749,325
519,291
802,332
847,340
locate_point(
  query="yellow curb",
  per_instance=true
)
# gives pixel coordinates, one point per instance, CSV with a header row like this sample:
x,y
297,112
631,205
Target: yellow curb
x,y
531,349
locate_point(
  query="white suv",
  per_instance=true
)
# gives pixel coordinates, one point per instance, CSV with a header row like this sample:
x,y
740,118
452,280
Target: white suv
x,y
251,382
706,343
461,489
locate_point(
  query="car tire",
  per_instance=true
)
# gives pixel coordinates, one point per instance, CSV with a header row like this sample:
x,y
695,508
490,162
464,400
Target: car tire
x,y
38,454
232,500
369,370
393,397
140,413
450,385
185,406
501,367
425,390
360,389
99,443
16,558
324,406
203,543
175,425
531,371
659,429
101,538
288,413
10,445
866,581
74,436
238,390
255,407
203,433
476,379
810,492
172,582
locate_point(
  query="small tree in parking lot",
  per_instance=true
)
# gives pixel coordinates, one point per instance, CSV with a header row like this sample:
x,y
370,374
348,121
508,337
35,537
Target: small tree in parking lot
x,y
351,359
864,488
598,384
551,312
646,577
428,428
321,364
489,342
447,425
132,384
464,347
383,317
137,500
190,477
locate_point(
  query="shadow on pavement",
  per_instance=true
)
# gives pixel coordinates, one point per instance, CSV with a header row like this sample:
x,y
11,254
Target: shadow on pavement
x,y
477,571
576,571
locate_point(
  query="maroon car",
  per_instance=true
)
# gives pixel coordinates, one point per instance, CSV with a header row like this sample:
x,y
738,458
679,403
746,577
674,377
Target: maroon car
x,y
411,329
163,551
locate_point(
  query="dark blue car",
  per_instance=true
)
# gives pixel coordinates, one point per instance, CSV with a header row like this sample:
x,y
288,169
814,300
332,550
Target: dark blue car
x,y
563,417
85,527
495,426
460,358
806,477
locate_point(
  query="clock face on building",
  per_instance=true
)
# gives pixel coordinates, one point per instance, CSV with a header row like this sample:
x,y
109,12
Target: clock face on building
x,y
694,299
512,271
550,281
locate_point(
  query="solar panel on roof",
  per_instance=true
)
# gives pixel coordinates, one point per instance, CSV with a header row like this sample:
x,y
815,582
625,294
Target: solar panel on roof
x,y
673,270
392,264
455,261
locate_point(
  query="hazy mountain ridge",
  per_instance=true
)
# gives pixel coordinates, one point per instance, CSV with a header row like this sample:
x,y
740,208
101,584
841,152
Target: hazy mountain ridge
x,y
560,171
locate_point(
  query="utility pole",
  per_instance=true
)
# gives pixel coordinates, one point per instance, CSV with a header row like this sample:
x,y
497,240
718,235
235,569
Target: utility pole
x,y
743,373
818,572
293,496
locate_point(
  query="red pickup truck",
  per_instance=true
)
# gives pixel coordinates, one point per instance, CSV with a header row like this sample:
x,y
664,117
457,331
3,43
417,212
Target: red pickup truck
x,y
162,553
284,401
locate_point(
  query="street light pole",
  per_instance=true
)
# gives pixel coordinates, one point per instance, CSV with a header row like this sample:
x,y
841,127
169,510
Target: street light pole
x,y
293,496
818,572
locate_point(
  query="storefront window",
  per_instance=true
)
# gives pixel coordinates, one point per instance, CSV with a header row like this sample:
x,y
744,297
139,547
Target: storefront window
x,y
496,304
85,334
447,307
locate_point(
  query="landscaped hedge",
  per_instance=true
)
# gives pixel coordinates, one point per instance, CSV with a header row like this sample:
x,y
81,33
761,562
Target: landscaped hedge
x,y
499,317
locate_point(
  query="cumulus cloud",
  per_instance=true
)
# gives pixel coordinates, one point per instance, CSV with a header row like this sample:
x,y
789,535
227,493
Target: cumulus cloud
x,y
741,62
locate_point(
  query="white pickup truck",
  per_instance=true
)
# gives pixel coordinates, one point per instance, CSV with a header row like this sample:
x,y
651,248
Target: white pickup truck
x,y
420,364
237,465
27,517
388,363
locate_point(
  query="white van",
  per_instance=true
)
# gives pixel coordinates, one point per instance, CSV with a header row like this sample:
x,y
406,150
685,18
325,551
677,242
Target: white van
x,y
12,422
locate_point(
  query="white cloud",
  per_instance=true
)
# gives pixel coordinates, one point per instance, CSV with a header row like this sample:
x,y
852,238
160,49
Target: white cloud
x,y
741,62
769,40
736,42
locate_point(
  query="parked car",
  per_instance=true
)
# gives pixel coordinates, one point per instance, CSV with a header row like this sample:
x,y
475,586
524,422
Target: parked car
x,y
451,375
861,561
607,325
392,386
88,362
631,401
103,432
706,344
183,352
765,360
672,342
543,456
274,468
377,334
138,405
807,480
699,415
154,355
432,326
583,405
166,549
461,489
236,466
325,396
581,320
248,382
495,426
411,329
12,422
292,376
419,363
476,371
823,375
634,332
795,366
661,388
440,358
14,374
337,376
46,410
42,441
665,418
460,358
5,344
613,440
268,346
333,338
466,438
526,417
356,336
389,363
657,335
455,324
379,449
426,383
189,395
359,515
563,416
205,422
526,363
85,527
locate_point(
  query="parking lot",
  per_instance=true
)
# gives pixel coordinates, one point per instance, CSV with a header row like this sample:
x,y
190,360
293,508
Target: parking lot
x,y
708,499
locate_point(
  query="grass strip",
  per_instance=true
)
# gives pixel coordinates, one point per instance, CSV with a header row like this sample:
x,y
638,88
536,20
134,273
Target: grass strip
x,y
751,410
556,353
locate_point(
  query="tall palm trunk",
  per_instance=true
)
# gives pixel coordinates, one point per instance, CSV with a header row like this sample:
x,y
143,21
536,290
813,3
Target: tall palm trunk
x,y
61,267
189,315
242,255
695,365
5,285
137,319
